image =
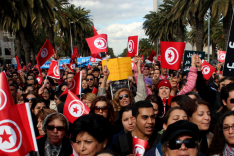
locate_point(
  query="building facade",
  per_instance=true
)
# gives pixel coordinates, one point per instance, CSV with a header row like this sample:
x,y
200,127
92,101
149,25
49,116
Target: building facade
x,y
7,47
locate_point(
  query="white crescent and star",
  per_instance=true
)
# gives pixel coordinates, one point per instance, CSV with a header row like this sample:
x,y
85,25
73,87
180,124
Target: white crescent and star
x,y
171,55
76,108
130,46
55,70
139,150
100,43
3,99
72,84
44,52
205,69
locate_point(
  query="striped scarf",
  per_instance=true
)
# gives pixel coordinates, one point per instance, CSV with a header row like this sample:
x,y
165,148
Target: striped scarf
x,y
52,150
228,151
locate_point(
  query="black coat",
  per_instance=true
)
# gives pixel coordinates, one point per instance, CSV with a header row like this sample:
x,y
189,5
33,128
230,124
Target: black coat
x,y
66,146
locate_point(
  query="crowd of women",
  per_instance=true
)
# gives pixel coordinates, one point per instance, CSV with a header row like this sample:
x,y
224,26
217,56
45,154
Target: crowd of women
x,y
177,113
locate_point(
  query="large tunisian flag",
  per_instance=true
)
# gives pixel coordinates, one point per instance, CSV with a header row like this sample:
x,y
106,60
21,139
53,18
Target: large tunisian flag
x,y
98,44
16,128
171,54
132,47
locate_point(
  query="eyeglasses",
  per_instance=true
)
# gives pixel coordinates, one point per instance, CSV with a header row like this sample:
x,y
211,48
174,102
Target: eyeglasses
x,y
125,95
227,128
30,78
59,128
103,108
29,99
232,100
89,79
176,144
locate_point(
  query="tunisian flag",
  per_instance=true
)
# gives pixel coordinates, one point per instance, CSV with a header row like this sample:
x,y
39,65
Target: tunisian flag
x,y
54,70
18,64
74,55
207,70
132,47
152,55
74,107
16,128
171,54
47,50
221,56
139,146
98,44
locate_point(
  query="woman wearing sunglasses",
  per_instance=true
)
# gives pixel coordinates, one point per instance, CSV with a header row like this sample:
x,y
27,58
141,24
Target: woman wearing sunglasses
x,y
102,106
30,97
55,142
198,111
223,140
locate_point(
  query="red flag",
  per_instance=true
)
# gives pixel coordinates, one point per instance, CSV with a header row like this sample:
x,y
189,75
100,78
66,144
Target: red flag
x,y
71,66
89,67
139,146
95,90
221,56
74,55
39,80
75,84
94,31
53,70
18,64
92,59
171,54
16,129
152,55
74,108
47,50
133,65
142,57
132,47
98,44
159,58
207,70
96,56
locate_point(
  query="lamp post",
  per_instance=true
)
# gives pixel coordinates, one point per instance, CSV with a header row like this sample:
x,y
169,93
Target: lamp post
x,y
71,32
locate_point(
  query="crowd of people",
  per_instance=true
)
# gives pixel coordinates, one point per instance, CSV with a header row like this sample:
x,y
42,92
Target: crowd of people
x,y
177,113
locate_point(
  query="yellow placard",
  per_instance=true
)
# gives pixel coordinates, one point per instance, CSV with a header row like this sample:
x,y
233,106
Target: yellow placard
x,y
120,68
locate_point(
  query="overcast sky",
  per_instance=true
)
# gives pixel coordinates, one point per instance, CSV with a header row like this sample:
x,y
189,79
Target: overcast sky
x,y
118,19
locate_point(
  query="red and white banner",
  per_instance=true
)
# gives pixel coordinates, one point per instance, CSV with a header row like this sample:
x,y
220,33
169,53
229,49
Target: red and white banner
x,y
152,55
74,107
139,146
16,126
71,66
221,56
18,64
53,70
98,44
92,59
207,70
47,50
132,47
39,80
171,54
159,58
133,65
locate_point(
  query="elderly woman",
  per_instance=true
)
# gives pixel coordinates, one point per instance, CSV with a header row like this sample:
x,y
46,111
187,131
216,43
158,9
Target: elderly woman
x,y
90,134
55,142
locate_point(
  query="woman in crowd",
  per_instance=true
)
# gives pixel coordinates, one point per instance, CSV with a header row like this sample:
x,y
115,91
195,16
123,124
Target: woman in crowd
x,y
222,143
21,98
46,96
54,142
63,87
102,106
41,115
30,97
88,98
84,84
37,105
90,134
198,111
58,99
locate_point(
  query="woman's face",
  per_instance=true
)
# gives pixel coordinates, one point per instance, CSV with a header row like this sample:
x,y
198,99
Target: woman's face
x,y
164,92
155,105
87,102
55,136
84,84
18,81
21,100
39,126
201,117
101,109
63,87
56,100
127,122
229,132
174,116
30,99
47,83
46,94
124,98
38,107
87,145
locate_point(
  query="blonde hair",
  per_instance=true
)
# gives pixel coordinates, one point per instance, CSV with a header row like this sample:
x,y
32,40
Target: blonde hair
x,y
115,100
89,96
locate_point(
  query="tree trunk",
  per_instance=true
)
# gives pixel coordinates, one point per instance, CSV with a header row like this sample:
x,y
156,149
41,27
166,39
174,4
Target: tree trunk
x,y
18,45
180,32
79,46
33,57
213,50
227,25
199,32
26,38
170,38
156,45
50,34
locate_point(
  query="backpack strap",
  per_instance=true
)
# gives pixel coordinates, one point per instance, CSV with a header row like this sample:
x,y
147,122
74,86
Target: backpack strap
x,y
157,140
123,141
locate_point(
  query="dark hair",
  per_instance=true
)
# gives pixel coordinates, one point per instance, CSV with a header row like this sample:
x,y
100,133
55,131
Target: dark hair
x,y
90,75
15,73
140,104
168,113
38,100
95,125
71,73
44,112
180,99
124,109
159,66
14,85
60,87
28,85
184,74
191,105
111,112
224,94
182,83
218,141
110,152
156,99
58,94
193,93
59,116
50,80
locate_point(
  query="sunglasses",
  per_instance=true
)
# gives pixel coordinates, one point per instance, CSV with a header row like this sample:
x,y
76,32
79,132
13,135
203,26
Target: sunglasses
x,y
103,108
125,95
100,83
89,79
176,144
29,99
232,100
51,128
